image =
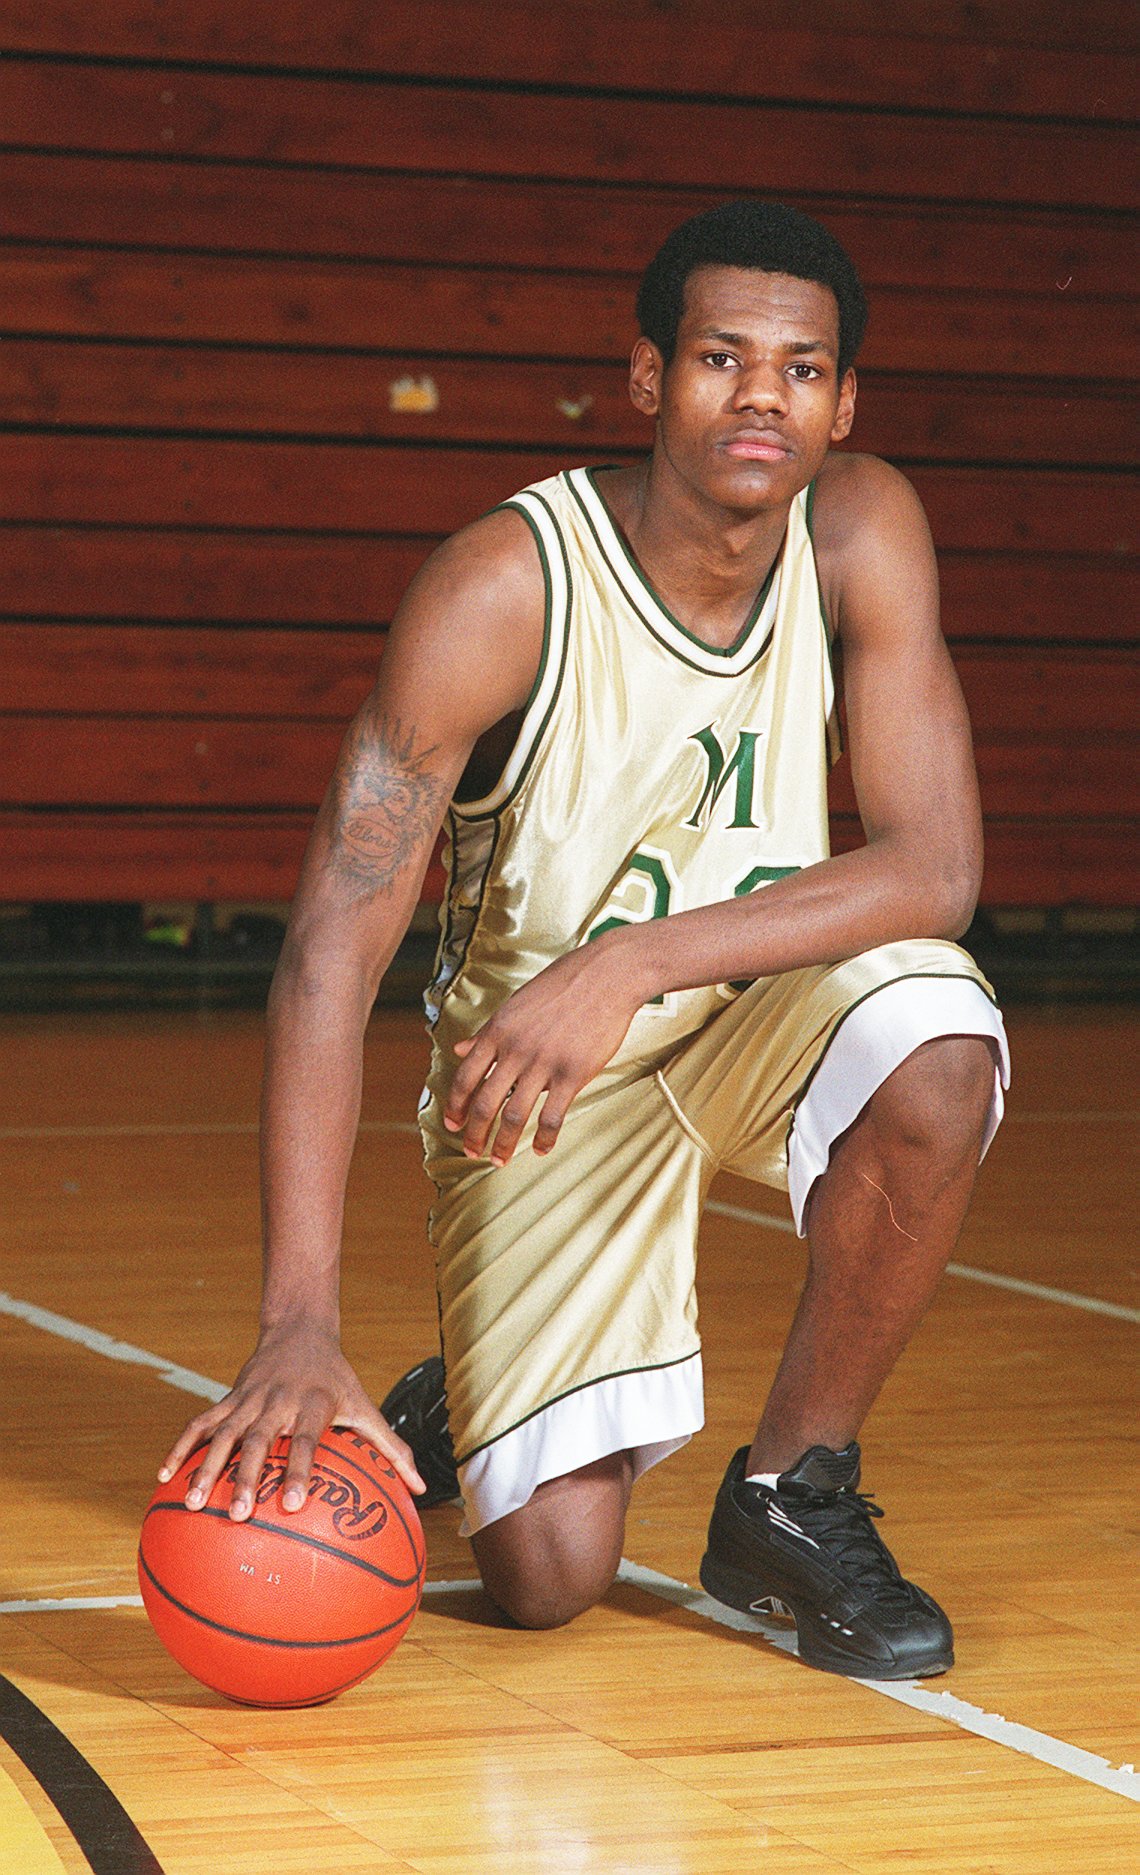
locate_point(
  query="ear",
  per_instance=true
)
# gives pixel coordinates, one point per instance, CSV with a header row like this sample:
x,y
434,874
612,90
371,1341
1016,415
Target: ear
x,y
646,371
845,415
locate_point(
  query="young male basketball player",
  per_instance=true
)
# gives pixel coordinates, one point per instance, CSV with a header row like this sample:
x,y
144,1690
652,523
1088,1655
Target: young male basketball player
x,y
618,687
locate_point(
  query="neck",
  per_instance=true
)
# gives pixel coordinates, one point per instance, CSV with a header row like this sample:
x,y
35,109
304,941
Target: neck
x,y
707,563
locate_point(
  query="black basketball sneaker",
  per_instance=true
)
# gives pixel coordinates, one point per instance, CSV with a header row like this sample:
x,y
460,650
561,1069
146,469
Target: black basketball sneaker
x,y
809,1548
416,1408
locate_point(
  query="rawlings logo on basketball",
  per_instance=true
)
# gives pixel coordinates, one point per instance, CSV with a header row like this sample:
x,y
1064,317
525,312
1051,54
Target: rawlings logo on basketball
x,y
352,1518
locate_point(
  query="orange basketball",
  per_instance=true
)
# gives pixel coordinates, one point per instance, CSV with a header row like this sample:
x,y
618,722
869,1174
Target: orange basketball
x,y
289,1607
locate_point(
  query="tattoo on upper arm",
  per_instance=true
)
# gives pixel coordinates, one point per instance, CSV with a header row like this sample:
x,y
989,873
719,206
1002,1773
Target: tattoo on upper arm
x,y
385,800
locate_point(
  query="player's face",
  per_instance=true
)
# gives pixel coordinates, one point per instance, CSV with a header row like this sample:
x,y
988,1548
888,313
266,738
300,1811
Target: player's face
x,y
752,398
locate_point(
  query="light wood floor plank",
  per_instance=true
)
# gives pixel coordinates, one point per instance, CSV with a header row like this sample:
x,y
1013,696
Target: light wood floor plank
x,y
642,1740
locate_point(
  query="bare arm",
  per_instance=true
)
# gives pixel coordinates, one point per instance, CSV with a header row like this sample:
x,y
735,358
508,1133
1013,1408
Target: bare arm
x,y
917,876
461,654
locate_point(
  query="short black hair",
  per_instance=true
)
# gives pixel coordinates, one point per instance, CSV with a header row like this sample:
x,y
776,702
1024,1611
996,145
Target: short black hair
x,y
769,236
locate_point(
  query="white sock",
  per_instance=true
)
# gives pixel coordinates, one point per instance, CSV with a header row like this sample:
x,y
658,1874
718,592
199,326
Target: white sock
x,y
770,1478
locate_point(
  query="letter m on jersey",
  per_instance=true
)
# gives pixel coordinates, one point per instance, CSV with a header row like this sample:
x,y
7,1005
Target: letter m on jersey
x,y
721,770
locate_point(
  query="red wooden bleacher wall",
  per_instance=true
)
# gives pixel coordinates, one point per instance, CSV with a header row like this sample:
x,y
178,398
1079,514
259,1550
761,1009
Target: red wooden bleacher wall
x,y
226,232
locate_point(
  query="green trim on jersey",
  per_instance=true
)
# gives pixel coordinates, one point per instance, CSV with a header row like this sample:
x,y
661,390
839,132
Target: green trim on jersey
x,y
718,651
904,976
834,738
436,993
712,651
650,1367
474,809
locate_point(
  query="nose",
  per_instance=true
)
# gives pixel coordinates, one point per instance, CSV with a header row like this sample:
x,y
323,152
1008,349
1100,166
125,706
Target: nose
x,y
762,387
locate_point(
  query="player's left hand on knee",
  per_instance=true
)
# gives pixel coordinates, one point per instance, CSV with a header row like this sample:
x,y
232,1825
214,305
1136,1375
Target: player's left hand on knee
x,y
547,1041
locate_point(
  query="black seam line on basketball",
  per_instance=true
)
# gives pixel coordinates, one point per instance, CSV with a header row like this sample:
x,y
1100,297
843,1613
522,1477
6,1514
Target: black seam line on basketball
x,y
269,1640
108,1838
341,1458
370,1477
904,976
300,1705
725,653
291,1536
620,1373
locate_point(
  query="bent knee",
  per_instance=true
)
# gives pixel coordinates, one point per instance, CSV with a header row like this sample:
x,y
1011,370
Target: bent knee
x,y
556,1556
938,1099
547,1604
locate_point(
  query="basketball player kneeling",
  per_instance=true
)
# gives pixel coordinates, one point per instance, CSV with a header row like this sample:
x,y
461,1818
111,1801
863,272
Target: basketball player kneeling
x,y
618,689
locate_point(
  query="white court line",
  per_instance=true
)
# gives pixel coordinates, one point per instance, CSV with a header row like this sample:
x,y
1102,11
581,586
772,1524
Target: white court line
x,y
1121,1779
99,1343
68,1603
1017,1283
191,1128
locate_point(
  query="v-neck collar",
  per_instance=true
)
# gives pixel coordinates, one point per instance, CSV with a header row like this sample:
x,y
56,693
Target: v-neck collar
x,y
725,661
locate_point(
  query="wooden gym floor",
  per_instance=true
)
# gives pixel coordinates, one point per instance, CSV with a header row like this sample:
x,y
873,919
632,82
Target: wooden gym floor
x,y
645,1738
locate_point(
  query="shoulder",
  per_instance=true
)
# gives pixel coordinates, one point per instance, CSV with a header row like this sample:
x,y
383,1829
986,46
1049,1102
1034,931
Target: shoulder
x,y
491,564
871,539
470,625
857,496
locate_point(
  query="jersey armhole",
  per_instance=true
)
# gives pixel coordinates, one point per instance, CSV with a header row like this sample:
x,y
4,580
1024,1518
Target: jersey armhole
x,y
831,698
539,705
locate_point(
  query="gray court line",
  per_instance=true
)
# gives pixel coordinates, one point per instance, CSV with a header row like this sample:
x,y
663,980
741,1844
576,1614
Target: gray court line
x,y
175,1129
49,1605
1040,1745
1121,1779
99,1343
163,1129
206,1128
1017,1283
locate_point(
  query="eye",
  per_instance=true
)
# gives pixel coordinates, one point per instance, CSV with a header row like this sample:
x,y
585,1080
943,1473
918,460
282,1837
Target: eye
x,y
804,373
719,360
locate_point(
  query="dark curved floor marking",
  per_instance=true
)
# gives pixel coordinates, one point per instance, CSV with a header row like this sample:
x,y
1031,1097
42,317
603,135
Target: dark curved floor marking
x,y
105,1833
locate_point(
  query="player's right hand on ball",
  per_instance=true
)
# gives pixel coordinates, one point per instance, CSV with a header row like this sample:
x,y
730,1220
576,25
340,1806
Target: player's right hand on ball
x,y
295,1384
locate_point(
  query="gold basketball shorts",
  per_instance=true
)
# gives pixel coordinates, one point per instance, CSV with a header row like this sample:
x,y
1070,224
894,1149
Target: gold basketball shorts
x,y
567,1294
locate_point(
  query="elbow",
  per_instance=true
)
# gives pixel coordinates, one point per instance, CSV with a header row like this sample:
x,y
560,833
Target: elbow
x,y
959,885
315,971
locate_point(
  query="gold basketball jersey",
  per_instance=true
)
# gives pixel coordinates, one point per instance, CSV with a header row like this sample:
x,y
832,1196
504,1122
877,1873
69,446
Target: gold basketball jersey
x,y
653,773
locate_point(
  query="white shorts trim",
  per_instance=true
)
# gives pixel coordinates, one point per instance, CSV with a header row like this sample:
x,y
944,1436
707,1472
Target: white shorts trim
x,y
872,1040
649,1413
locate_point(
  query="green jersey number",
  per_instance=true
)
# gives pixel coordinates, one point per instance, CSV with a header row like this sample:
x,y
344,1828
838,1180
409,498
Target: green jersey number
x,y
646,891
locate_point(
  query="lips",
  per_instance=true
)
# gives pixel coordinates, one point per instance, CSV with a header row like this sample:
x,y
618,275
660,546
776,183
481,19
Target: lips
x,y
755,446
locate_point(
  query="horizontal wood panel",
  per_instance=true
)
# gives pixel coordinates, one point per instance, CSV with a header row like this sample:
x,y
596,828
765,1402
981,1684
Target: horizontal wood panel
x,y
227,763
131,387
1040,777
297,36
264,578
379,125
142,671
173,671
1086,862
120,762
138,573
689,48
218,856
389,489
309,304
542,225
